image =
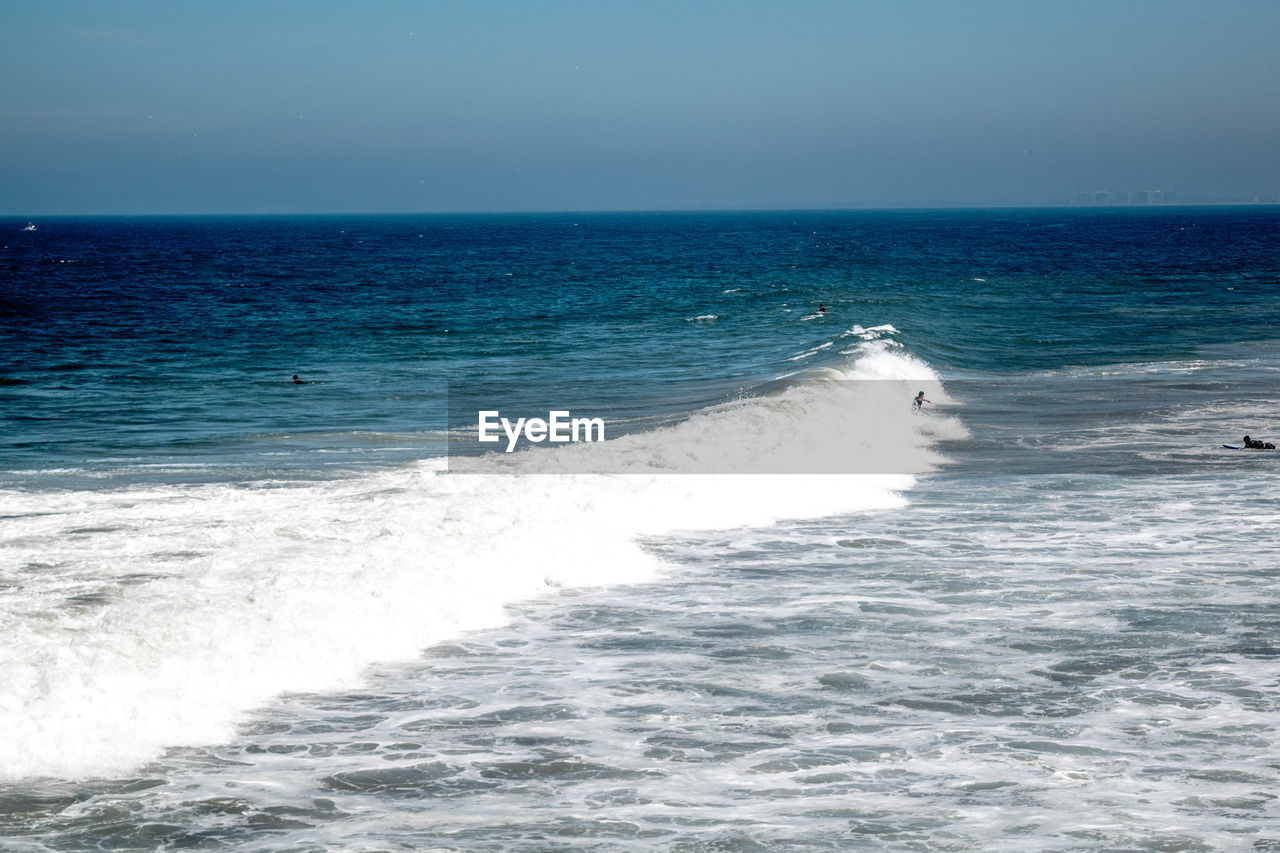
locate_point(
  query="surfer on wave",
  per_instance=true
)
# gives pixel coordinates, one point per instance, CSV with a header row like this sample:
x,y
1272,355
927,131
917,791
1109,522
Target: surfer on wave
x,y
1258,444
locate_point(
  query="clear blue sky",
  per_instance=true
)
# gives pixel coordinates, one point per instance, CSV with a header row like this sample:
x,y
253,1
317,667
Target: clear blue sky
x,y
160,106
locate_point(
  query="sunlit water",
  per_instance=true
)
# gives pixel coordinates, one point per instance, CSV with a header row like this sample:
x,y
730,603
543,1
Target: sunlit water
x,y
1061,638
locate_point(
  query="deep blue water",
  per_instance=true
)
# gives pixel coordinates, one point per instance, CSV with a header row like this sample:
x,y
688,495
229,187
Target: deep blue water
x,y
178,337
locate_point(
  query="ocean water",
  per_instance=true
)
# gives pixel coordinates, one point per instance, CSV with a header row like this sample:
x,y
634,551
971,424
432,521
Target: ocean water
x,y
777,610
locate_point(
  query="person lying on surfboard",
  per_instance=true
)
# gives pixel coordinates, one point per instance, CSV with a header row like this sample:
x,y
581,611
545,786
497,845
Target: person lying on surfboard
x,y
1258,444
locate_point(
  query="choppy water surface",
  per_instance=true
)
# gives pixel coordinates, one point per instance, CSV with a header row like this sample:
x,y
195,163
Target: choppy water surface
x,y
1050,667
283,627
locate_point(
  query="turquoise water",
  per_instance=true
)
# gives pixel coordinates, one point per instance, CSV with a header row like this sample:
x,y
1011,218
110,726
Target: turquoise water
x,y
245,614
154,339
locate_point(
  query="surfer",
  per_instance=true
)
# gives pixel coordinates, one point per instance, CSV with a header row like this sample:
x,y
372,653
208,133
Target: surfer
x,y
297,381
1258,444
822,309
919,401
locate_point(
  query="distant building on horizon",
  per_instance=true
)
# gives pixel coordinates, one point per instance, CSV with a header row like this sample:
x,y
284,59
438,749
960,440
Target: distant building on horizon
x,y
1102,198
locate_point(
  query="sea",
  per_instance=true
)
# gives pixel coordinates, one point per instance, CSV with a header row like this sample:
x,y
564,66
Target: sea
x,y
776,607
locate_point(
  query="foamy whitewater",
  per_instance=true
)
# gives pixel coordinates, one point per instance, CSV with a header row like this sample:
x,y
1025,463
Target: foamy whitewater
x,y
780,609
170,638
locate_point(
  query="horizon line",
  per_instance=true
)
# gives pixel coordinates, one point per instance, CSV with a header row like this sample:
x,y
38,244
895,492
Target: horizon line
x,y
642,211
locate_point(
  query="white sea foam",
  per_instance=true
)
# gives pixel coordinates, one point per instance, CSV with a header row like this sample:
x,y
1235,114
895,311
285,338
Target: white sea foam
x,y
137,619
872,334
812,352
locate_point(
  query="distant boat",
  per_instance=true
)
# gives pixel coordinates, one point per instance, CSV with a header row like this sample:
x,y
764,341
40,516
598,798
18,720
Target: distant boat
x,y
30,227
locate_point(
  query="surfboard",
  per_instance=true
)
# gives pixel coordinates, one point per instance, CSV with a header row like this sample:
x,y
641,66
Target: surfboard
x,y
1238,447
